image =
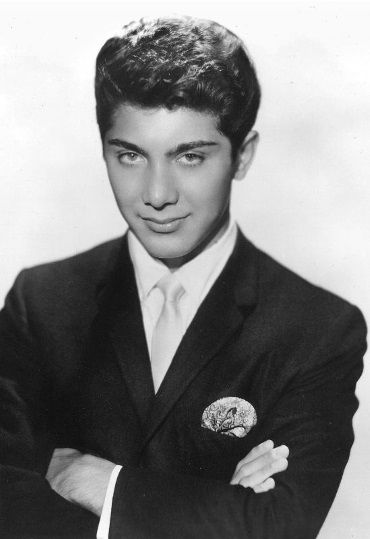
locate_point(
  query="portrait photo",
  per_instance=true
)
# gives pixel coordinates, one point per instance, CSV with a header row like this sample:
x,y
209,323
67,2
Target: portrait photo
x,y
184,247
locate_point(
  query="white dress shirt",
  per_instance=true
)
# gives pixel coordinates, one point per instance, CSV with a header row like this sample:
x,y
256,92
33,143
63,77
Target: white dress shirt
x,y
197,277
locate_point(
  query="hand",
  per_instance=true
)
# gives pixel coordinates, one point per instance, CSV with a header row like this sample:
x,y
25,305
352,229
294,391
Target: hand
x,y
80,479
256,469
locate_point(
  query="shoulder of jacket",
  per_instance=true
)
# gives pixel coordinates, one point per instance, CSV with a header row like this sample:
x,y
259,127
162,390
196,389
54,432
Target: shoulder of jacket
x,y
291,292
85,269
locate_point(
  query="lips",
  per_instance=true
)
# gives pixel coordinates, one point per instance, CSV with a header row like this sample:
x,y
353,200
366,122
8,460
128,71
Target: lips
x,y
164,226
162,221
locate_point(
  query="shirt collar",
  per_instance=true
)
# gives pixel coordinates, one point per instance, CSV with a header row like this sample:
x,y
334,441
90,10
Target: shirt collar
x,y
197,273
149,270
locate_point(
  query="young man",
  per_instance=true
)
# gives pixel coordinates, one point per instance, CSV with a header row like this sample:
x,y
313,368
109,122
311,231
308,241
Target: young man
x,y
145,382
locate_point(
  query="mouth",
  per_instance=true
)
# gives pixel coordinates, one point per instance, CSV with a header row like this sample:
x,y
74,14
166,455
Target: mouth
x,y
164,226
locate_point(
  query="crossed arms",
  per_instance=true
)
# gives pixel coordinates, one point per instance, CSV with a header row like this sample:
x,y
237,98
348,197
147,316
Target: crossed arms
x,y
83,479
312,417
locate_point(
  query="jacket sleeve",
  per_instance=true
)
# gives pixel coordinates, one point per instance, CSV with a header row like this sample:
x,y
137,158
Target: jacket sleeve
x,y
313,417
29,508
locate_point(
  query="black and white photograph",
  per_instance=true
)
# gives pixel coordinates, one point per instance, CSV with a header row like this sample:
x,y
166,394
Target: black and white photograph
x,y
184,254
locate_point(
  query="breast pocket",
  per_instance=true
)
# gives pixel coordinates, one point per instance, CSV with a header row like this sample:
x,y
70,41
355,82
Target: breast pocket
x,y
216,455
230,416
222,436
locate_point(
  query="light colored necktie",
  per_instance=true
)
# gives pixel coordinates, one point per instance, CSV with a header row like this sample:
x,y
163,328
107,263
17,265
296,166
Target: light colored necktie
x,y
168,330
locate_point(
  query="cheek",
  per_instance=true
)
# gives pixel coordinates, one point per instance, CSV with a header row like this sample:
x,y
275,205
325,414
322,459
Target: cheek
x,y
211,195
126,191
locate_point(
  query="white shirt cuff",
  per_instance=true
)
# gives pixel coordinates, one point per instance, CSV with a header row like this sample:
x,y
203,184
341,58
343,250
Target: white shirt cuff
x,y
104,523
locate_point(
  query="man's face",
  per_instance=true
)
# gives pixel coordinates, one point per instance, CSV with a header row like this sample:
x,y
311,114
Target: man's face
x,y
171,174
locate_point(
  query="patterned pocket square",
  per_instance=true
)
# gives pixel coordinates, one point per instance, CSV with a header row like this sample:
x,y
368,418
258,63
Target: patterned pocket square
x,y
231,416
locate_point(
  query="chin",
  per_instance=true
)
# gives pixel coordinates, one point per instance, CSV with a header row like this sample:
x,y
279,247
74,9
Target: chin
x,y
166,252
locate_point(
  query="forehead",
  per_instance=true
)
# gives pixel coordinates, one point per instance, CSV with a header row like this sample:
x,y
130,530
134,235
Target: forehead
x,y
163,127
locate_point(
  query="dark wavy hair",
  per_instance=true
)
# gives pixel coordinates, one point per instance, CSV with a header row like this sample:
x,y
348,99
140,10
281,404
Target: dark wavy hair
x,y
179,62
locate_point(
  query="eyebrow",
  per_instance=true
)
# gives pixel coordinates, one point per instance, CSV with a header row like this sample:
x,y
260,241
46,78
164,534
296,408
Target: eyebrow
x,y
180,148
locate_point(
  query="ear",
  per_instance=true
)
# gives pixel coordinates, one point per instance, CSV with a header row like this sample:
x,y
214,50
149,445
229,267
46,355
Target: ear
x,y
246,154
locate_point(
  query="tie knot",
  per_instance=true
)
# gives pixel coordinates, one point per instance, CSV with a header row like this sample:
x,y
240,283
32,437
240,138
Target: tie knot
x,y
171,288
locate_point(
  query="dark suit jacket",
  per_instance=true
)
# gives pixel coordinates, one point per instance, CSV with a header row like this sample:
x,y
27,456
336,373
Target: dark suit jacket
x,y
75,372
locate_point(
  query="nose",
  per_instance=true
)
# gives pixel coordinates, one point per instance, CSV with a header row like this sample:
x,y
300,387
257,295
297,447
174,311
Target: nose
x,y
160,188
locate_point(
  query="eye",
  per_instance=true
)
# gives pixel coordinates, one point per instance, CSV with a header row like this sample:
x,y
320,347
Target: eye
x,y
191,159
129,158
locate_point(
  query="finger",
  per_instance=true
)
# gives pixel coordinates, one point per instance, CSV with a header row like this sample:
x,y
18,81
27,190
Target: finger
x,y
259,463
261,475
256,452
265,486
262,463
60,458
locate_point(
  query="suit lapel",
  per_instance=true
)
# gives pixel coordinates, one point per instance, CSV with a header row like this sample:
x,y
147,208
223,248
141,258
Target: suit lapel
x,y
120,316
219,317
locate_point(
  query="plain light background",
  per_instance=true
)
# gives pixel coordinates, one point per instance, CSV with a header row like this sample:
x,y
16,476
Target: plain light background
x,y
306,199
